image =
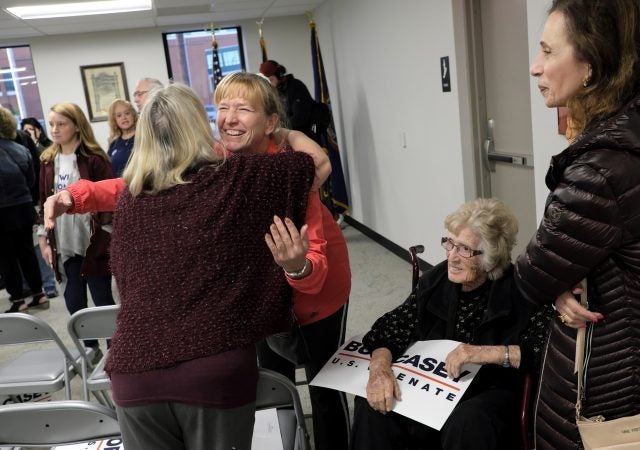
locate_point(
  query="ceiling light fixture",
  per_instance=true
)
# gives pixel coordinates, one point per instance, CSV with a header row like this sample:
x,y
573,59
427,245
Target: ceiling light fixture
x,y
79,9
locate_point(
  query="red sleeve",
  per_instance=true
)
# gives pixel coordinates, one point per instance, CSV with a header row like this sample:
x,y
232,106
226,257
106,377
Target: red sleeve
x,y
317,253
89,196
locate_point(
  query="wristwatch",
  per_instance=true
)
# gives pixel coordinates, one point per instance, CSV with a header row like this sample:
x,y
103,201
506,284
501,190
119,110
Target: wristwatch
x,y
506,362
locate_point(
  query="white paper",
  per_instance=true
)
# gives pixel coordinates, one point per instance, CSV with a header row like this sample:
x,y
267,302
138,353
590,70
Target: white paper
x,y
266,431
428,396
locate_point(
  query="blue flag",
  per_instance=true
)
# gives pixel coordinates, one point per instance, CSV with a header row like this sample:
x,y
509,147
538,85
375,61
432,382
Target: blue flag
x,y
334,191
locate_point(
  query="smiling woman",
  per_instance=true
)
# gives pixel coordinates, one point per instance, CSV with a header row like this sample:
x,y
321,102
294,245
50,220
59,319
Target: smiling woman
x,y
249,112
471,298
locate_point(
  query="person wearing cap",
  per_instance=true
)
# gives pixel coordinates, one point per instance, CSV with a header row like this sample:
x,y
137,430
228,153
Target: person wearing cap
x,y
297,100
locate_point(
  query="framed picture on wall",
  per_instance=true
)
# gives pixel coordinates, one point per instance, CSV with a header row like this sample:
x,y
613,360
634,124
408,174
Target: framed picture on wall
x,y
103,83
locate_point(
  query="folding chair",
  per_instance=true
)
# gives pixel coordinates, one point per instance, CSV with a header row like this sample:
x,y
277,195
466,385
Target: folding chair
x,y
94,323
277,391
43,424
35,370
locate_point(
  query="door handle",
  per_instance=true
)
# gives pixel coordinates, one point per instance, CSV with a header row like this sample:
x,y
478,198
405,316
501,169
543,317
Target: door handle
x,y
509,158
487,149
490,156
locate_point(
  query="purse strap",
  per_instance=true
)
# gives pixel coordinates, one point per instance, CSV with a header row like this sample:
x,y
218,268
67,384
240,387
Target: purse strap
x,y
583,353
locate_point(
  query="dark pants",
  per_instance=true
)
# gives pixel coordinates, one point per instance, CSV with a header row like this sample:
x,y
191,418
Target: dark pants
x,y
17,258
75,292
486,421
330,412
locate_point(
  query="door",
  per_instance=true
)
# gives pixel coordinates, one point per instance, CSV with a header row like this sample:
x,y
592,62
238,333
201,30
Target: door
x,y
502,108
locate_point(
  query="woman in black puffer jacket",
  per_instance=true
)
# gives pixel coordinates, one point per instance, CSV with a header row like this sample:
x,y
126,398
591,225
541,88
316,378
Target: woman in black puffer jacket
x,y
589,62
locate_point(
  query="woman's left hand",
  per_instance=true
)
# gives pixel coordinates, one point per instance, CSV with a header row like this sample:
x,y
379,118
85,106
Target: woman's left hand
x,y
571,312
288,245
457,358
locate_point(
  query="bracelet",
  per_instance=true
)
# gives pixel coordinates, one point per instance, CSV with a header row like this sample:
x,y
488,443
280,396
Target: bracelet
x,y
506,363
298,273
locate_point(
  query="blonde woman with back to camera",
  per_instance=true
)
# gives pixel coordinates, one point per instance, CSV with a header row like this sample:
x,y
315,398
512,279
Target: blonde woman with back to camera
x,y
183,372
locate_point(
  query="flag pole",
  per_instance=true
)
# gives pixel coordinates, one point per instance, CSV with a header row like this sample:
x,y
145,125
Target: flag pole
x,y
263,43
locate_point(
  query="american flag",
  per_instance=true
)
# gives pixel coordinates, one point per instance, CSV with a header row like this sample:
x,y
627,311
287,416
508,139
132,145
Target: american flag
x,y
215,61
334,191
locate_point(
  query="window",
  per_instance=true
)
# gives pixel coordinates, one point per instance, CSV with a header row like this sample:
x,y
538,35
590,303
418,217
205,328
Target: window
x,y
18,84
189,58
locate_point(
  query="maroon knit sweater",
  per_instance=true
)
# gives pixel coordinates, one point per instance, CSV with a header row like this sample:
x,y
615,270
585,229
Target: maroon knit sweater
x,y
194,273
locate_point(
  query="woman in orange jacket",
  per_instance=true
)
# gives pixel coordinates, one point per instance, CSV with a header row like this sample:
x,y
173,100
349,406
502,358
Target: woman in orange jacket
x,y
314,258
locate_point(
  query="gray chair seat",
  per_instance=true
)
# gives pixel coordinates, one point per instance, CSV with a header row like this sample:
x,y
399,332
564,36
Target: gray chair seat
x,y
35,370
56,423
32,368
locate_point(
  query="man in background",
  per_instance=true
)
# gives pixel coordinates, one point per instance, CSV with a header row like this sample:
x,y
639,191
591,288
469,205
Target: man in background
x,y
143,87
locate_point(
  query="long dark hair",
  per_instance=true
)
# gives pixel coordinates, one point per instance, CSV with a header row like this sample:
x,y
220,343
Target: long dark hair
x,y
606,35
35,123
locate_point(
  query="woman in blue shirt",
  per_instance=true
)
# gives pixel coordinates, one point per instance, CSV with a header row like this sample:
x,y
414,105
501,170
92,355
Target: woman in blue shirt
x,y
122,130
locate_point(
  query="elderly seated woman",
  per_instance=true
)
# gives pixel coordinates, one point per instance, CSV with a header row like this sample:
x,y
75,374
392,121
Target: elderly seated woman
x,y
470,297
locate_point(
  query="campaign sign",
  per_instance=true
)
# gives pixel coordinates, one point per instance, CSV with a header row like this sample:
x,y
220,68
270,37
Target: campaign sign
x,y
428,396
104,444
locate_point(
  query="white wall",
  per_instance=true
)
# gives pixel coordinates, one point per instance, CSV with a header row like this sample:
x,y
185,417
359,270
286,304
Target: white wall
x,y
383,63
544,121
57,59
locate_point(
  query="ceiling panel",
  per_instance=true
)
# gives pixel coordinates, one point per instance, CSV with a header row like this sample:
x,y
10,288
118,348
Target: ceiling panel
x,y
164,14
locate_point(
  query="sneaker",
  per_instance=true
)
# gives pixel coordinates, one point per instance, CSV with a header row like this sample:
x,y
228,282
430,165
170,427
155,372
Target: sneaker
x,y
52,294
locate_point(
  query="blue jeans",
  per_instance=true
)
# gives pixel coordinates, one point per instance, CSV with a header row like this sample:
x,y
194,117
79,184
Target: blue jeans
x,y
48,277
46,273
75,291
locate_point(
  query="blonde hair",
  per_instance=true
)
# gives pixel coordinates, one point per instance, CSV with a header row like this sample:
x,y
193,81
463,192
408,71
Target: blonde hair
x,y
173,137
256,89
8,124
497,227
85,133
114,130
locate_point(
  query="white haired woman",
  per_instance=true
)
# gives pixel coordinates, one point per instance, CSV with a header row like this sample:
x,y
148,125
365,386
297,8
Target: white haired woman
x,y
470,297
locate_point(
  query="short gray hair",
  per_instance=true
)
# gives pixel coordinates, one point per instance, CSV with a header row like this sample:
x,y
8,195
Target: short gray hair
x,y
496,226
153,83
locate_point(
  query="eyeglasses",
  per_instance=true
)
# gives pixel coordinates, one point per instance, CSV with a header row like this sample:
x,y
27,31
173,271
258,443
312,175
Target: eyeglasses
x,y
139,93
463,250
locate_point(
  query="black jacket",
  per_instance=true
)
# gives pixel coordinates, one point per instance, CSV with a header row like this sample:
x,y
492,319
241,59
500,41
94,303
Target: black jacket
x,y
298,103
590,228
431,314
